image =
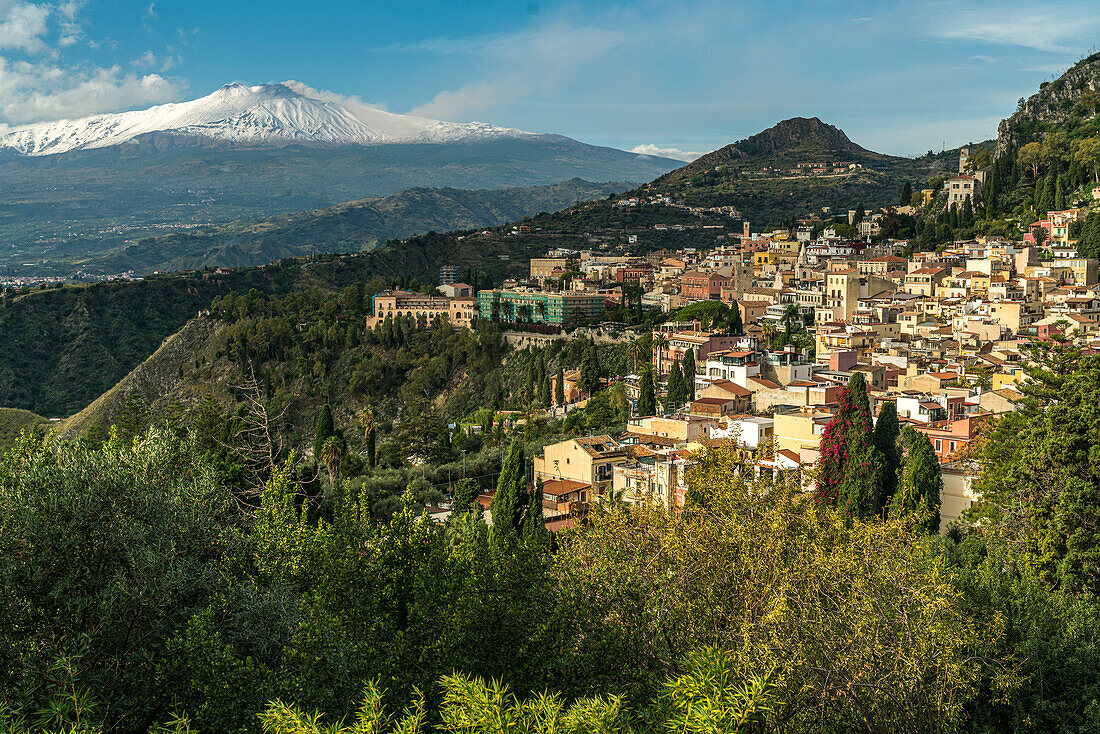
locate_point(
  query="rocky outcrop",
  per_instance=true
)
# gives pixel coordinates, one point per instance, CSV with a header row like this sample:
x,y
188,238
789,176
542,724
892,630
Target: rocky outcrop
x,y
157,380
1053,103
799,138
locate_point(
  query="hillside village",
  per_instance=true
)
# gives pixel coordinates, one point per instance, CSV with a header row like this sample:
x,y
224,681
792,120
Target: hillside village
x,y
942,335
794,437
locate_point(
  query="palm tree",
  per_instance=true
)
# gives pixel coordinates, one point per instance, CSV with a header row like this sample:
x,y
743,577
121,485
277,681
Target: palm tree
x,y
767,330
366,420
661,343
790,313
332,451
612,499
635,347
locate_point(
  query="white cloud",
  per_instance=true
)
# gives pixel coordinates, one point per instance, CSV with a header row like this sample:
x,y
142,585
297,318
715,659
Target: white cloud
x,y
36,83
147,59
22,26
676,153
352,102
35,92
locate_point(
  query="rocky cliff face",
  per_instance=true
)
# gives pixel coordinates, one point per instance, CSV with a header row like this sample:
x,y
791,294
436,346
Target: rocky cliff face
x,y
1054,101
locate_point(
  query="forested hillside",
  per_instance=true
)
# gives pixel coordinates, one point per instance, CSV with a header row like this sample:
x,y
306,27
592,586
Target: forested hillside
x,y
60,348
734,175
1048,155
166,580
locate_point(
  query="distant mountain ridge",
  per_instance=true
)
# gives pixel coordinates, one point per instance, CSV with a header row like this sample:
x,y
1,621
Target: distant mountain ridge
x,y
284,113
355,226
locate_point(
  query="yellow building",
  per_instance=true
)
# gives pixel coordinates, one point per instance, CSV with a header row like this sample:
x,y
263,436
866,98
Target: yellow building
x,y
800,428
459,311
831,340
1008,377
923,281
681,430
958,495
841,296
543,267
588,460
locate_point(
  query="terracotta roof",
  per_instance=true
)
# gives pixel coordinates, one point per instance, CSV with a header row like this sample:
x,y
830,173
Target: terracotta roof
x,y
558,487
731,387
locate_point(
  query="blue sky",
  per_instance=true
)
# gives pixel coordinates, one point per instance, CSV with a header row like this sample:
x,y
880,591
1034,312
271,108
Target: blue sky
x,y
689,76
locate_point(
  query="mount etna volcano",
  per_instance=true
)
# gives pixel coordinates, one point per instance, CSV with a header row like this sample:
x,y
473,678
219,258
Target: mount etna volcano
x,y
253,151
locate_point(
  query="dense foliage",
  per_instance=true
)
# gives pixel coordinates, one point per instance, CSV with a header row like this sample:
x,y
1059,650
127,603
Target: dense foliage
x,y
143,586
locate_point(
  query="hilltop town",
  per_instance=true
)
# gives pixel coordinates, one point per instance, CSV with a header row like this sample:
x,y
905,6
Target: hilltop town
x,y
769,328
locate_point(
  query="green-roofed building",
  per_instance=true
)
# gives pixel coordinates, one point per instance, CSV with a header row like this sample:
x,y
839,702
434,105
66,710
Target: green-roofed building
x,y
539,307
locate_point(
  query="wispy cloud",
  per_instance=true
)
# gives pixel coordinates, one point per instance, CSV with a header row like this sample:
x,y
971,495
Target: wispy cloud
x,y
1052,29
518,64
162,63
676,153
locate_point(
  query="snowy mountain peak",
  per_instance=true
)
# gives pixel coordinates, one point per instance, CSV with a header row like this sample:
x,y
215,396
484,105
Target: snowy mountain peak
x,y
290,112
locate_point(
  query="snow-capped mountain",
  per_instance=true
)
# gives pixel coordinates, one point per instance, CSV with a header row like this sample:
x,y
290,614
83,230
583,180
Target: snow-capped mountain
x,y
268,113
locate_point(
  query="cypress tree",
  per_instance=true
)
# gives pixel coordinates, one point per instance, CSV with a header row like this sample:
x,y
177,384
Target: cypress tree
x,y
530,379
857,388
953,216
920,482
466,492
687,368
736,327
324,429
647,398
544,392
1060,193
559,387
535,535
1046,204
590,369
886,442
849,467
1089,244
906,194
510,500
967,217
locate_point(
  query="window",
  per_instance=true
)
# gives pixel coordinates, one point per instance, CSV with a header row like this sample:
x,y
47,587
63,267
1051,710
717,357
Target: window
x,y
953,444
939,445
